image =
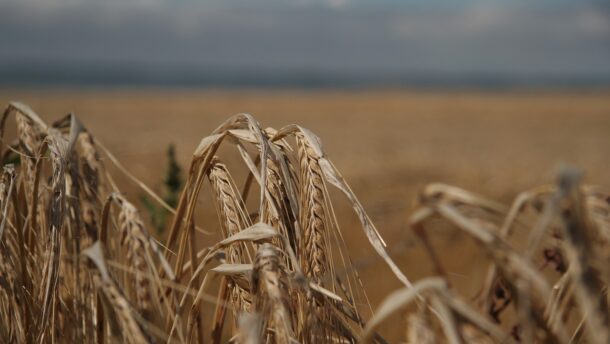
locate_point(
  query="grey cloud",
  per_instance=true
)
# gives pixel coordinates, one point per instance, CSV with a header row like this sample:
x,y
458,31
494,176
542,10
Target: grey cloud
x,y
568,40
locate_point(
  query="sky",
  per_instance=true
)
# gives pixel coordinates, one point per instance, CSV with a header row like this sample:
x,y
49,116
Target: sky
x,y
229,41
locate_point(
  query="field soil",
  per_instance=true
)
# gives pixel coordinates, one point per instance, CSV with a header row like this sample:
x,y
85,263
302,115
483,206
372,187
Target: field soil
x,y
388,144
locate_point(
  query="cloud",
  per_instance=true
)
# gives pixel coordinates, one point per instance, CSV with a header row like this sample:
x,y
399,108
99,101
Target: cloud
x,y
594,22
332,35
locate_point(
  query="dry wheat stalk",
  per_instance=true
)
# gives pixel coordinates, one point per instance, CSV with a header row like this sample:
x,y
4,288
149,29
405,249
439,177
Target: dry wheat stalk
x,y
233,219
90,170
313,215
274,203
120,308
271,295
313,250
30,139
134,238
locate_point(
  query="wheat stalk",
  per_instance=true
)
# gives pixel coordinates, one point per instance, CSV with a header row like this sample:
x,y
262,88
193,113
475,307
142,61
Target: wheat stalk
x,y
134,238
271,295
313,214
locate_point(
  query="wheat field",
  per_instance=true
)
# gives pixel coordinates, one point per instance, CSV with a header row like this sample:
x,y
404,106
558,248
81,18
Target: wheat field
x,y
273,235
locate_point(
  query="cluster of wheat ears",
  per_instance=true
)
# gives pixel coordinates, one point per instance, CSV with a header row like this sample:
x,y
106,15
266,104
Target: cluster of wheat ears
x,y
77,263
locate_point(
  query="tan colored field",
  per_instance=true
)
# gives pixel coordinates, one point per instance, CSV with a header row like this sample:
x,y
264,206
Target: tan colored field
x,y
388,144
